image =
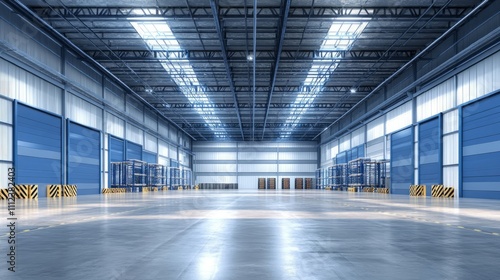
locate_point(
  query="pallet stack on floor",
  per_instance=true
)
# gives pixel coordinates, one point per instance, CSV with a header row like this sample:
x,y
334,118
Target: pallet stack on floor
x,y
271,183
299,183
261,185
309,183
285,183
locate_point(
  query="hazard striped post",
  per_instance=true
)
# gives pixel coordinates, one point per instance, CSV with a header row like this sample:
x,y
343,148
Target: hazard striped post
x,y
449,192
54,190
4,194
22,191
33,191
437,190
69,190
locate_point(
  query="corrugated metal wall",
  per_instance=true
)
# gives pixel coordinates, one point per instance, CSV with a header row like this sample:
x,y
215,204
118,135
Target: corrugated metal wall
x,y
244,163
470,84
71,88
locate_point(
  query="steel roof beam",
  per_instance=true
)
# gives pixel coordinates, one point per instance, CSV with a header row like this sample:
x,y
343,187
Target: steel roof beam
x,y
218,27
184,13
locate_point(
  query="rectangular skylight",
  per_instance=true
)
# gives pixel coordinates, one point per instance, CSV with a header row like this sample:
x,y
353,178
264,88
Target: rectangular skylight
x,y
159,37
340,37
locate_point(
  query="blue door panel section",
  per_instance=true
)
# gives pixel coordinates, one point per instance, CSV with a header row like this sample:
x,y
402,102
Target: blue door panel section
x,y
402,171
430,153
480,137
38,157
116,152
149,157
342,157
116,149
134,151
84,153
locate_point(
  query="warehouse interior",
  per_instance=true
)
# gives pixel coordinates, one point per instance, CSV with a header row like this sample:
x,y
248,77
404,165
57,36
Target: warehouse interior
x,y
226,139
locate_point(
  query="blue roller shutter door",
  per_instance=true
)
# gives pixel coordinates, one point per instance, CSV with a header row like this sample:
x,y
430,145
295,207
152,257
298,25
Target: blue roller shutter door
x,y
149,157
430,154
481,148
38,155
115,152
134,151
402,171
84,167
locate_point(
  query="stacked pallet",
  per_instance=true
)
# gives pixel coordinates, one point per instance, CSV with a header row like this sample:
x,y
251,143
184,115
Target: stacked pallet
x,y
309,183
262,184
285,183
299,183
271,183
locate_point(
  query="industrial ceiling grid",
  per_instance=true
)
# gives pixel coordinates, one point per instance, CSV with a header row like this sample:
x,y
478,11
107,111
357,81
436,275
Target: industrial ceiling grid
x,y
193,60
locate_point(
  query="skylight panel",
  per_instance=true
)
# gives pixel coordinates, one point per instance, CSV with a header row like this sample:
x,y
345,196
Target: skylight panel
x,y
340,37
159,37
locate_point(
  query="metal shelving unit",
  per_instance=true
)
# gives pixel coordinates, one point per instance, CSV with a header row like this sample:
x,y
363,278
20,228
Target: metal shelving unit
x,y
175,177
157,175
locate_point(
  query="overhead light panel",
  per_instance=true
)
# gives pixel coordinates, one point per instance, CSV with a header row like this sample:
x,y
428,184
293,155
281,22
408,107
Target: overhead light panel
x,y
340,37
159,37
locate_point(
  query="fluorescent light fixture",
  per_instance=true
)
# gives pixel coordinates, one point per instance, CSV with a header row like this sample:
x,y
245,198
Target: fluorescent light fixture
x,y
353,90
340,37
158,36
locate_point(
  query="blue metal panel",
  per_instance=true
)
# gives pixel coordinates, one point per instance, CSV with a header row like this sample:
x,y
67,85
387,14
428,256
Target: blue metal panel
x,y
84,166
480,152
430,171
116,152
342,157
116,149
402,173
361,151
149,157
134,151
38,147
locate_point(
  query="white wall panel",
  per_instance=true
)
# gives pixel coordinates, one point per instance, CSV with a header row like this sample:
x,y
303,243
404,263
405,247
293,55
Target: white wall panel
x,y
150,121
21,36
215,179
334,150
134,134
216,168
358,137
436,100
450,121
163,148
4,174
215,145
375,129
251,182
450,149
115,98
257,156
84,76
6,143
450,177
163,161
163,129
345,143
478,80
263,167
5,111
297,167
375,149
83,112
216,155
134,110
150,143
399,118
115,125
173,134
16,83
298,156
172,150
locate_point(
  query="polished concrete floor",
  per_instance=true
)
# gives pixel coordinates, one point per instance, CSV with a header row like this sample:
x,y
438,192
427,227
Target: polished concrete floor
x,y
241,235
